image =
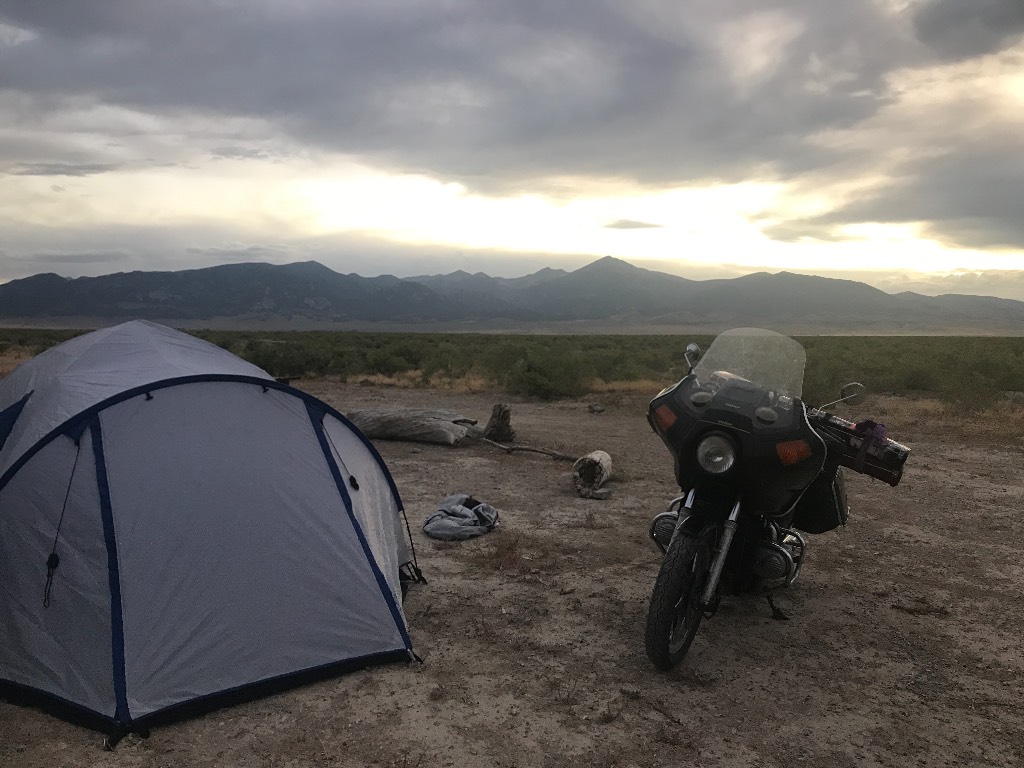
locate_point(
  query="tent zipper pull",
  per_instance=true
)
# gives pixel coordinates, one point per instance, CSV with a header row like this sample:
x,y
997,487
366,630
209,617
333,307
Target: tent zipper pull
x,y
53,560
51,565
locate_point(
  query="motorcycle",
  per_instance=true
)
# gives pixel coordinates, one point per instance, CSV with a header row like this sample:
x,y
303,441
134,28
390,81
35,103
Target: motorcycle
x,y
758,470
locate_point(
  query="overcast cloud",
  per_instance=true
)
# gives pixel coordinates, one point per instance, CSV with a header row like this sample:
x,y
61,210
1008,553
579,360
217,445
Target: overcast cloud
x,y
491,93
856,100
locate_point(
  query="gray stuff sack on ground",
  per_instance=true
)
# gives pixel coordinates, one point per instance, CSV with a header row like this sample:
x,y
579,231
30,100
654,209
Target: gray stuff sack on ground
x,y
459,517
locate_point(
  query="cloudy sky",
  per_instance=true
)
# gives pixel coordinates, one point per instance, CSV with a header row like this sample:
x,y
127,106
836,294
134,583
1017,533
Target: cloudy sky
x,y
877,139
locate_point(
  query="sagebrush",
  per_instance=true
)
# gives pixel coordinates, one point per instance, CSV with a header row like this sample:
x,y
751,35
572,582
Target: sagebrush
x,y
969,371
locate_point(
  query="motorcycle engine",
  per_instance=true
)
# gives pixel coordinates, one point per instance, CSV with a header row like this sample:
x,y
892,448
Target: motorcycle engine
x,y
774,564
662,528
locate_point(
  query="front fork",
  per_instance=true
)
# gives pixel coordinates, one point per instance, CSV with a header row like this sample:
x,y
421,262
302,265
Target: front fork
x,y
676,510
721,552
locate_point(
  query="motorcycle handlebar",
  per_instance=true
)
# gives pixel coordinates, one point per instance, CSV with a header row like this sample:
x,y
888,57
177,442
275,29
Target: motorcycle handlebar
x,y
862,447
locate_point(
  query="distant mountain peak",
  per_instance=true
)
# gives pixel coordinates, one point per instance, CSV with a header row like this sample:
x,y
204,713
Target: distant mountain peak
x,y
609,264
307,268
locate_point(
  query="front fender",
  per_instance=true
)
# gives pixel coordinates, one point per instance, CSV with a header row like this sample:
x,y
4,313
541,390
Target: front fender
x,y
691,523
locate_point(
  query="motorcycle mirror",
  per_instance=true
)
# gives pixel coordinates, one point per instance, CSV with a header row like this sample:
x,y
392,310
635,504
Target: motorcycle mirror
x,y
692,354
853,393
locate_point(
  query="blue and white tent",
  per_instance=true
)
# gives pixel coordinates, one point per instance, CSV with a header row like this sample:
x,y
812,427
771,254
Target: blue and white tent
x,y
176,526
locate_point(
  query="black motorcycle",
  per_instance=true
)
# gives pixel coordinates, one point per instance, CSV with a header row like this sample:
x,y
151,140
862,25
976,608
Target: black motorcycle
x,y
758,470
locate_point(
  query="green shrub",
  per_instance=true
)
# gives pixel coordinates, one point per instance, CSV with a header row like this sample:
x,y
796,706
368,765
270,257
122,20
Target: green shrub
x,y
971,391
544,377
965,371
921,380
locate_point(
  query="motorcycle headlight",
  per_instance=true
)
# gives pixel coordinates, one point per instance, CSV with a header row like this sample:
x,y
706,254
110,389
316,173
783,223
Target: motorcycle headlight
x,y
716,454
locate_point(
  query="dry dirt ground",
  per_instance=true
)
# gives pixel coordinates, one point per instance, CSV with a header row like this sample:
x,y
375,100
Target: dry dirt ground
x,y
903,646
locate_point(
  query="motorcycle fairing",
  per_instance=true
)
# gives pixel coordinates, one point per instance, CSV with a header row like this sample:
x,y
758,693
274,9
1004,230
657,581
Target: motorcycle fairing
x,y
757,419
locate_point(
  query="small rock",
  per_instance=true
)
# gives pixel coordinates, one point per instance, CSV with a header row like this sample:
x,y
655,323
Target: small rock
x,y
595,408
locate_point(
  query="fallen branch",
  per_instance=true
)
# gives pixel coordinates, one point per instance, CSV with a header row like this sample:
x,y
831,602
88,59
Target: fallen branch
x,y
546,451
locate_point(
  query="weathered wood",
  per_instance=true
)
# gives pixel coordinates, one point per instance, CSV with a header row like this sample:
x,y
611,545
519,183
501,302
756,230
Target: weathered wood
x,y
499,427
530,449
414,424
590,472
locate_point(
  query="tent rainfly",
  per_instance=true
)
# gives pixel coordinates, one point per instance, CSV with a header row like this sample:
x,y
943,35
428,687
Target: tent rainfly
x,y
179,530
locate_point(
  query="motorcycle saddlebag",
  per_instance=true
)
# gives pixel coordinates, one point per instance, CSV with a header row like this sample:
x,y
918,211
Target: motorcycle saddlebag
x,y
823,506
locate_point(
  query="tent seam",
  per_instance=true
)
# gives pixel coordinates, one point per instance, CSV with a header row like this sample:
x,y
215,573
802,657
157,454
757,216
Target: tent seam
x,y
121,713
382,584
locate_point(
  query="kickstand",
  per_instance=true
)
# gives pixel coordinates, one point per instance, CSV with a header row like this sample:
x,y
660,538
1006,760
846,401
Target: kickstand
x,y
777,613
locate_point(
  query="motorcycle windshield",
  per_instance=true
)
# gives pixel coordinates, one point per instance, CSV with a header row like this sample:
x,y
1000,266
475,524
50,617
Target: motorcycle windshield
x,y
770,359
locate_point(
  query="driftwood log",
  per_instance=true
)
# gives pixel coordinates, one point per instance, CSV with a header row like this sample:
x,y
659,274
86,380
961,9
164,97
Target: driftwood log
x,y
590,472
421,425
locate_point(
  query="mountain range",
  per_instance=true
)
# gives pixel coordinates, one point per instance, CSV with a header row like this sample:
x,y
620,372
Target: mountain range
x,y
608,295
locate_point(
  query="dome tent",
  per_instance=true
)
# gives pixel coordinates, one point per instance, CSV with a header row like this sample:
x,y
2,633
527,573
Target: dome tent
x,y
177,528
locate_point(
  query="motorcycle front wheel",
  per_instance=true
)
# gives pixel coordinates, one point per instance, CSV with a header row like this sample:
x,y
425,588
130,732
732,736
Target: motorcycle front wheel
x,y
675,611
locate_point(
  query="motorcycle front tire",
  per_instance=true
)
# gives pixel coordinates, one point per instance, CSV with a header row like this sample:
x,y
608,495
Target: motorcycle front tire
x,y
675,610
